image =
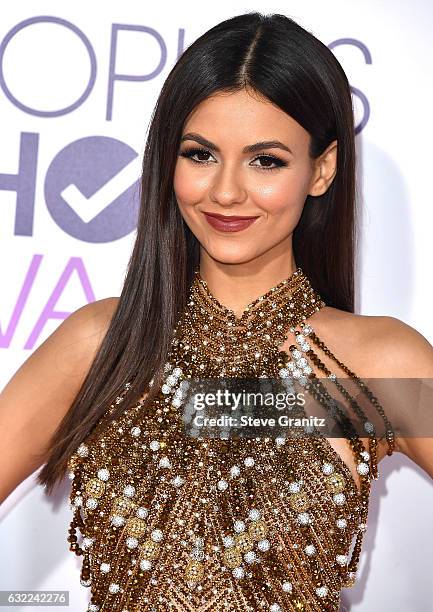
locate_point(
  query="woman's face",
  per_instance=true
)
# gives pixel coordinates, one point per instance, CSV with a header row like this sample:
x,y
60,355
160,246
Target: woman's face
x,y
217,173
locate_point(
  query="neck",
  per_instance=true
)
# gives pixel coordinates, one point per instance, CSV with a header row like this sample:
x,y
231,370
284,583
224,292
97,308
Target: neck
x,y
237,285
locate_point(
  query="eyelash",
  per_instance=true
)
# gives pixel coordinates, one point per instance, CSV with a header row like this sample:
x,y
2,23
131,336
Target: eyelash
x,y
188,153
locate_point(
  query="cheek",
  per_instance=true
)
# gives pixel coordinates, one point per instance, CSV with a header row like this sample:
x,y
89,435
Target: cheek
x,y
189,187
282,194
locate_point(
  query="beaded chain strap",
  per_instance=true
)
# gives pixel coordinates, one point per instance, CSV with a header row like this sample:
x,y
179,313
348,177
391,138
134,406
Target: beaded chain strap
x,y
172,522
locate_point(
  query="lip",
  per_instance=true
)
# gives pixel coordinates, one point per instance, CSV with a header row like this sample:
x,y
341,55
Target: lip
x,y
232,223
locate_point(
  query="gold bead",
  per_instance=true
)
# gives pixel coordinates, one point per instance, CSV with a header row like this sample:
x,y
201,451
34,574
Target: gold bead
x,y
335,482
95,487
299,501
298,604
122,506
149,549
135,526
194,571
258,530
232,557
244,542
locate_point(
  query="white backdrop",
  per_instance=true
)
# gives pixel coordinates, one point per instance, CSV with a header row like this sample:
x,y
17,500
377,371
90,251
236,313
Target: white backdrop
x,y
68,120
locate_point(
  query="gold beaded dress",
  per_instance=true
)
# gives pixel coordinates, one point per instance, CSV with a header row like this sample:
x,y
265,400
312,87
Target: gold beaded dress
x,y
166,521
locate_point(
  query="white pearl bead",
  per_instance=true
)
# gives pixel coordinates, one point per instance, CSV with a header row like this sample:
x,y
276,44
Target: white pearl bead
x,y
327,468
238,572
322,591
362,468
117,520
263,545
254,514
164,462
129,491
228,541
82,450
294,487
222,485
303,518
145,564
156,535
178,481
131,542
369,427
239,526
339,498
235,471
250,556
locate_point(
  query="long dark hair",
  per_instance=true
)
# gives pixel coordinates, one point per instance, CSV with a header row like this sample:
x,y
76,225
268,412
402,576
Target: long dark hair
x,y
276,57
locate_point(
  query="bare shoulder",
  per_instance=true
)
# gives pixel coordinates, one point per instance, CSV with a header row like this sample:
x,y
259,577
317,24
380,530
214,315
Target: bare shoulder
x,y
74,343
36,398
96,313
93,318
375,346
382,347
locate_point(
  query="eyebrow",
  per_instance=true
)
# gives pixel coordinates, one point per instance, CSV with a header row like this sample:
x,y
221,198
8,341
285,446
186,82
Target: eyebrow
x,y
264,144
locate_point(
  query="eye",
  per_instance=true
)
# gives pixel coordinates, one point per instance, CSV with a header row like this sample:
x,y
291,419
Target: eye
x,y
193,152
190,153
271,159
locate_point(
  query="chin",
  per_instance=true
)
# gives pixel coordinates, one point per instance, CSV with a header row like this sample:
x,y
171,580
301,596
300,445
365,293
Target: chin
x,y
231,256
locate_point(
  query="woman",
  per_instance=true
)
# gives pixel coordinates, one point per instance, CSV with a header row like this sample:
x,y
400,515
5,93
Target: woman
x,y
243,266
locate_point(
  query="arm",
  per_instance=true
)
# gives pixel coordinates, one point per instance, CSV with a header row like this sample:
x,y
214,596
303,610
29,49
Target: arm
x,y
37,397
405,353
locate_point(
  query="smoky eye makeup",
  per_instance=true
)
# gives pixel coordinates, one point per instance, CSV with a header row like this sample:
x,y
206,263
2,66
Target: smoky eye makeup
x,y
191,152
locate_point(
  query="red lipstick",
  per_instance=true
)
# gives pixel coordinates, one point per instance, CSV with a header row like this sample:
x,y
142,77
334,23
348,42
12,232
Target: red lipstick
x,y
229,223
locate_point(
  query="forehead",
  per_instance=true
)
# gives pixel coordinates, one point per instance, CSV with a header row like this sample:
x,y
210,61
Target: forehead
x,y
243,117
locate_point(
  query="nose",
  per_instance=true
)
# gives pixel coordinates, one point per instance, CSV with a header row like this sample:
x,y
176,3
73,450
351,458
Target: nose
x,y
227,187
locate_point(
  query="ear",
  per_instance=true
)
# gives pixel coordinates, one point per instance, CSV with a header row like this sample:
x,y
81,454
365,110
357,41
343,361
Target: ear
x,y
325,168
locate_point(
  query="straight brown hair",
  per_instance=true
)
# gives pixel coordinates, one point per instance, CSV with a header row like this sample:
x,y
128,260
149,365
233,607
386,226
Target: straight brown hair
x,y
279,60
